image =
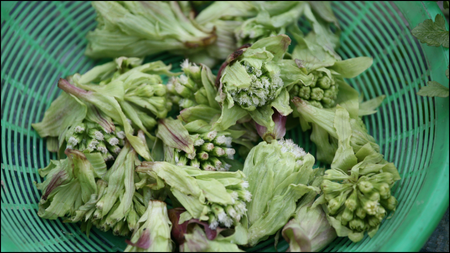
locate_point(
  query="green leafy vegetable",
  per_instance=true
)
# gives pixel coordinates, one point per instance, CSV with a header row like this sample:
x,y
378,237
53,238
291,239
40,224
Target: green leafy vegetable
x,y
434,89
357,188
214,196
196,146
253,83
310,230
137,29
432,33
197,241
278,175
153,233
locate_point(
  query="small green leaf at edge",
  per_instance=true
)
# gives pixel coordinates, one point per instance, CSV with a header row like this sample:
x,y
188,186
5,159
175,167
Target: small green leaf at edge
x,y
432,33
434,89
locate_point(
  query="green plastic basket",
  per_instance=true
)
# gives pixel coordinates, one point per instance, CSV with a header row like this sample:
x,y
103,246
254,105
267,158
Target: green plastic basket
x,y
43,41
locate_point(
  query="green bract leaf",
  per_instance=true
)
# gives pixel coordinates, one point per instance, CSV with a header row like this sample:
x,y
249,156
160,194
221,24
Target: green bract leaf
x,y
229,117
175,135
309,231
369,107
344,157
324,10
434,89
207,195
278,174
153,233
432,33
352,67
64,111
197,241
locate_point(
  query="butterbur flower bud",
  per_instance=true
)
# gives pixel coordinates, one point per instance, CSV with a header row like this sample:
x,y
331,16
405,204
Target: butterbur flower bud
x,y
381,212
356,236
195,163
365,186
375,196
245,195
182,160
191,155
251,80
361,212
209,136
220,140
118,227
240,207
73,141
213,221
182,90
112,140
203,156
231,212
384,177
207,147
304,93
330,187
216,163
120,133
218,151
191,69
390,203
102,147
114,149
337,202
356,224
218,200
207,166
384,190
94,133
92,144
324,82
80,128
373,221
352,202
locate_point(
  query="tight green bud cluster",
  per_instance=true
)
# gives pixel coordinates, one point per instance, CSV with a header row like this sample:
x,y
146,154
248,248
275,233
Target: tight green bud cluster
x,y
315,55
359,205
211,150
357,188
262,89
122,91
322,92
194,144
187,89
81,189
217,197
252,81
92,137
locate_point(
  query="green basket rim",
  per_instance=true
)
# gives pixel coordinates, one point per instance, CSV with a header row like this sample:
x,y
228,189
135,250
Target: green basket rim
x,y
430,208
